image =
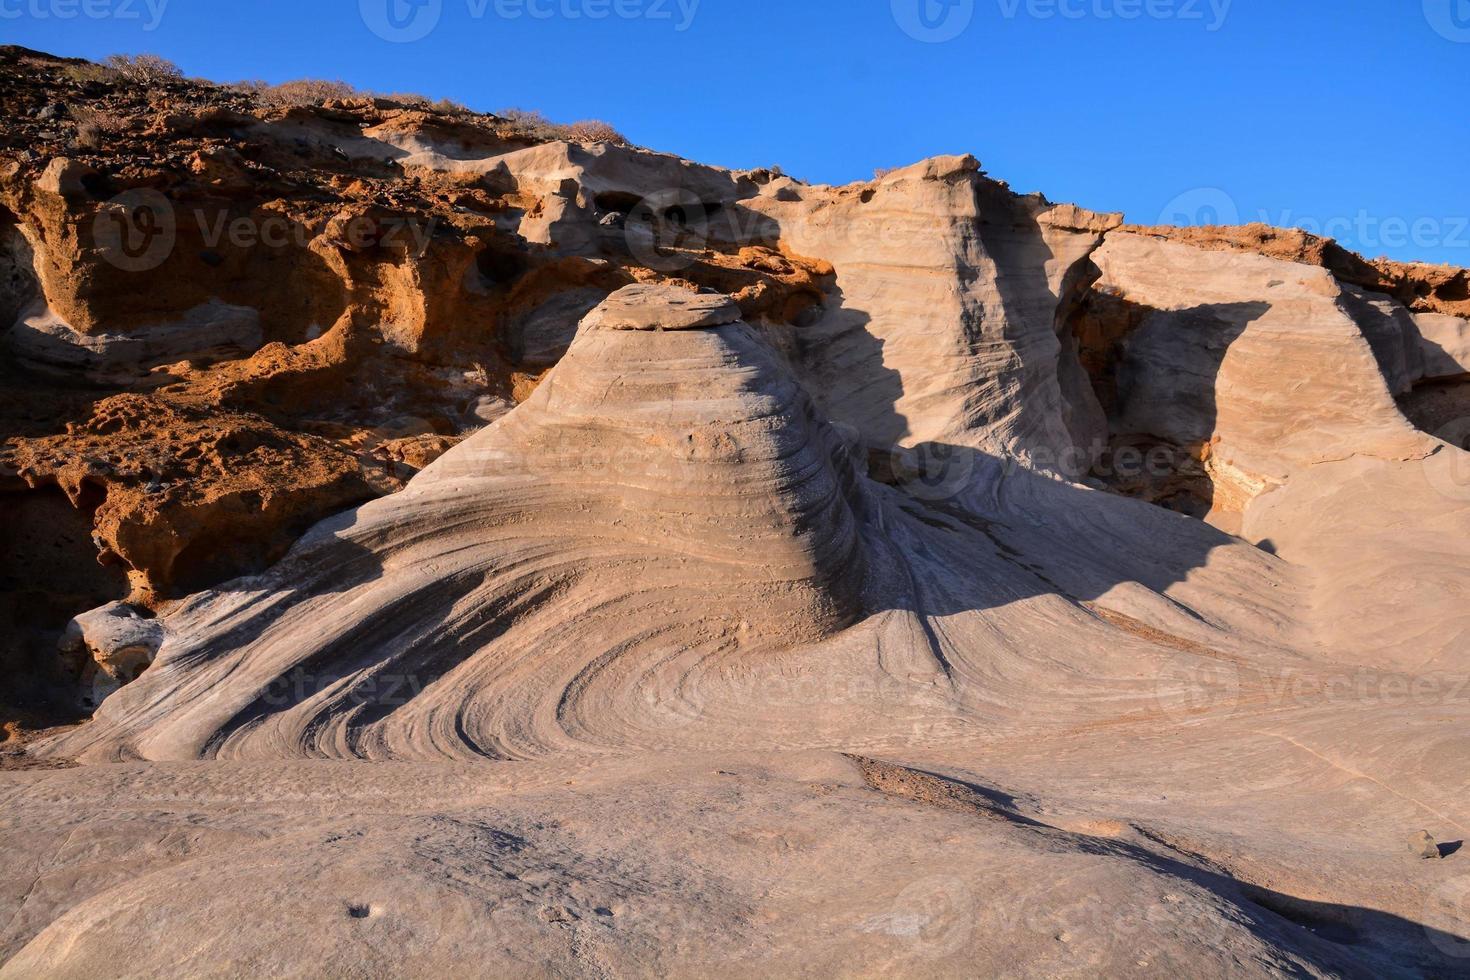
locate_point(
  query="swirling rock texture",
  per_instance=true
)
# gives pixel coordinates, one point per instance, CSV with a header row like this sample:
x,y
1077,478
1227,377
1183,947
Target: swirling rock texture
x,y
910,577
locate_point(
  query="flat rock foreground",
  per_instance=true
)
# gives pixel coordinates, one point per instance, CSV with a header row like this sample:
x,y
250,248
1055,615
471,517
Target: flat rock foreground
x,y
659,570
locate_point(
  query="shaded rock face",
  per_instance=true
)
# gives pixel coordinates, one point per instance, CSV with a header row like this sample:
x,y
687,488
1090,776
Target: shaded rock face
x,y
943,324
1223,370
1257,367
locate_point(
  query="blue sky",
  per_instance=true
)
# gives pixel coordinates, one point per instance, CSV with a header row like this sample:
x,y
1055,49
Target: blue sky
x,y
1344,116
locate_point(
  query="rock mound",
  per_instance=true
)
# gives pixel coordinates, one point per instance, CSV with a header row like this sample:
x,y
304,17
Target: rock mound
x,y
662,496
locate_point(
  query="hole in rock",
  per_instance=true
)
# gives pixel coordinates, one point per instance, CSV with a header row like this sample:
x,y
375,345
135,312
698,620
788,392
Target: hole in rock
x,y
623,202
18,283
502,267
49,573
1327,922
1440,407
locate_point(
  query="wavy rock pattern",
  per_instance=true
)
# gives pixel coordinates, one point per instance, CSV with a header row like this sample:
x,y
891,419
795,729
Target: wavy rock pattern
x,y
730,658
664,494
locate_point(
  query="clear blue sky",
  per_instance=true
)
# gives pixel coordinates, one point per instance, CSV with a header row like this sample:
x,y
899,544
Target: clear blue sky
x,y
1349,112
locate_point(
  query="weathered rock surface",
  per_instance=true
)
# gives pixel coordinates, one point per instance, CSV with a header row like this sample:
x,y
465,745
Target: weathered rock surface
x,y
681,471
117,641
943,323
325,288
1261,359
788,523
661,308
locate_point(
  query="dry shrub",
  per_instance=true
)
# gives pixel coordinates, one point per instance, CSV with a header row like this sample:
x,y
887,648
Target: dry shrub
x,y
88,73
880,172
533,125
144,69
94,126
415,101
594,131
301,91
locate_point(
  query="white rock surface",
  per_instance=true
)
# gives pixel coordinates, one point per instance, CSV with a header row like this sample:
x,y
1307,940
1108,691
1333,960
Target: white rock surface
x,y
43,341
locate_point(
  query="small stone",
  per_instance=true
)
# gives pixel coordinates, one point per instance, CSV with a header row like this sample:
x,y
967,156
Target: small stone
x,y
1424,845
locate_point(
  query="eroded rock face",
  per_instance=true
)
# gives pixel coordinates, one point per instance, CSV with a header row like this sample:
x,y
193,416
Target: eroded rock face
x,y
1267,363
234,320
115,643
630,420
349,291
189,496
943,323
661,308
676,484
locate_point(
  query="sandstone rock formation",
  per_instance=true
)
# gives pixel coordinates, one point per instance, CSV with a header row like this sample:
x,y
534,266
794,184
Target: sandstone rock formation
x,y
722,574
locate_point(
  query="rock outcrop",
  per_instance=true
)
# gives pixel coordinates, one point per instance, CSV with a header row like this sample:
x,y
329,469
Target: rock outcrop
x,y
669,479
1000,554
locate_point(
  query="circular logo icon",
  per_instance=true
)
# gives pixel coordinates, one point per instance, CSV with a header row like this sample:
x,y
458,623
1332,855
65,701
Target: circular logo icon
x,y
400,21
1449,18
1201,206
1188,686
667,230
1448,471
933,470
936,915
933,21
136,230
